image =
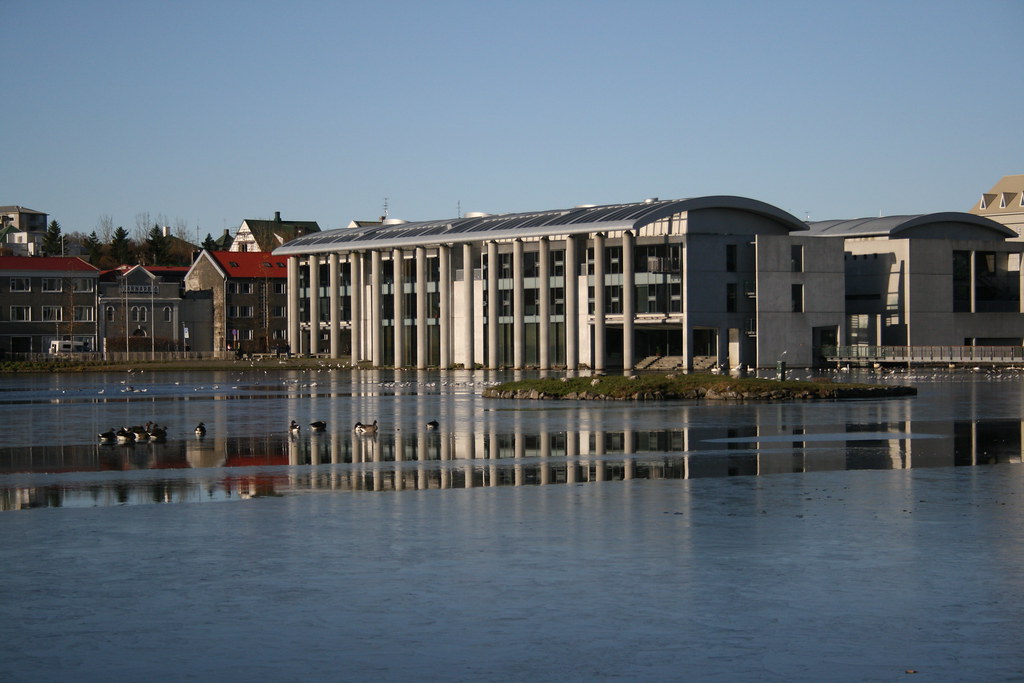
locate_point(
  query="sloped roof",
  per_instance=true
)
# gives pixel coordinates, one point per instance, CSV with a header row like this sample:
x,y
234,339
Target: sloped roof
x,y
898,226
250,264
19,209
270,234
474,227
1006,196
47,263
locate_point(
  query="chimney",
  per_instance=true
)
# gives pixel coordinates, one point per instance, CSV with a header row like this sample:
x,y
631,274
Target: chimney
x,y
277,216
167,231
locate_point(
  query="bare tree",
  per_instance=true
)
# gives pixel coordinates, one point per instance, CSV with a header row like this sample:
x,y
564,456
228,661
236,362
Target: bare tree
x,y
105,228
143,224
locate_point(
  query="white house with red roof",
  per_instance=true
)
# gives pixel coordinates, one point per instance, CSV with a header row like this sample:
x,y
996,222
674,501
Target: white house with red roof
x,y
249,299
46,299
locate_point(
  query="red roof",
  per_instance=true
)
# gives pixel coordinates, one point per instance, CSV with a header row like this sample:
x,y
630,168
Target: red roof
x,y
251,263
45,263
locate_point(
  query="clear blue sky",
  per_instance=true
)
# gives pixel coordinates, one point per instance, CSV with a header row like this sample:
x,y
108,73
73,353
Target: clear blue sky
x,y
212,112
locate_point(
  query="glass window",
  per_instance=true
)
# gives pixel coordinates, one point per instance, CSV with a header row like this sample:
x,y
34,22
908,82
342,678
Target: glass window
x,y
167,314
53,313
21,284
110,314
730,258
21,313
84,284
796,253
51,284
798,298
84,314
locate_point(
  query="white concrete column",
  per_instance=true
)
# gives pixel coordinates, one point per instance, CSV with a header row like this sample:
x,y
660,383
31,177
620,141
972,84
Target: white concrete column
x,y
421,308
493,304
398,289
335,327
628,300
294,323
444,311
468,359
544,303
518,295
314,304
599,302
572,317
355,271
376,343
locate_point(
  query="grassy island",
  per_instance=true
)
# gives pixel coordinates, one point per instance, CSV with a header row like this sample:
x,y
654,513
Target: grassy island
x,y
692,386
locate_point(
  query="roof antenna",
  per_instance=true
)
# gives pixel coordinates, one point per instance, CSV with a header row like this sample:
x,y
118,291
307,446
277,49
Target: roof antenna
x,y
384,217
458,209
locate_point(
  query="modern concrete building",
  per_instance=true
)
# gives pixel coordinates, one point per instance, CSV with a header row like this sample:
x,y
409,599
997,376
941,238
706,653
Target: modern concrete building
x,y
711,281
930,280
1004,203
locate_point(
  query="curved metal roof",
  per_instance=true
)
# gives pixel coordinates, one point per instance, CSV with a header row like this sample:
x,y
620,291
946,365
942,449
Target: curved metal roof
x,y
578,220
892,226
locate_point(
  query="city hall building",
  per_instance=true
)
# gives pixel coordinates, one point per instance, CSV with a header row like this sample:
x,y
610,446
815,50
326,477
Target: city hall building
x,y
707,282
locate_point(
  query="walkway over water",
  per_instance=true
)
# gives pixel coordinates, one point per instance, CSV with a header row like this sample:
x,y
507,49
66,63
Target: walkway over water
x,y
925,355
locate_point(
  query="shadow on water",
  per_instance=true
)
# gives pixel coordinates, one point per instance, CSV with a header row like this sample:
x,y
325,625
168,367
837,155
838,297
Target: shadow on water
x,y
234,468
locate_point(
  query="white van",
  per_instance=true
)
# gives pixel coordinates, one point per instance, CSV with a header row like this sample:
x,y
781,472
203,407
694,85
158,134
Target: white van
x,y
58,346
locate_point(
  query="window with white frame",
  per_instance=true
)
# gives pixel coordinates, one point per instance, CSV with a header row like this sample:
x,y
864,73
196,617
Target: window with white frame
x,y
245,288
245,311
280,288
138,314
167,314
84,314
53,313
51,284
279,311
21,313
232,288
21,284
245,334
84,284
110,314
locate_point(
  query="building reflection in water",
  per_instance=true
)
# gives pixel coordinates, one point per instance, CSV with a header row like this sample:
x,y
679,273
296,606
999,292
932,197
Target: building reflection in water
x,y
220,469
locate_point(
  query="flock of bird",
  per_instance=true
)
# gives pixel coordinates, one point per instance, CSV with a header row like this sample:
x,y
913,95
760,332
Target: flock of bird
x,y
151,431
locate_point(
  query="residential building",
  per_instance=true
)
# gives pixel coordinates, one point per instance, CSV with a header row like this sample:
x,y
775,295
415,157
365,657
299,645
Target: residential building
x,y
141,309
247,291
929,280
263,235
713,281
22,230
1004,203
47,299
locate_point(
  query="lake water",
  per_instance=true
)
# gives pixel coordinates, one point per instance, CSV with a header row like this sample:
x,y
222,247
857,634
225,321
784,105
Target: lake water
x,y
826,540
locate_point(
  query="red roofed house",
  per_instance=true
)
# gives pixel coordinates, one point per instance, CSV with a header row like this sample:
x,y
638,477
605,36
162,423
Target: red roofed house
x,y
47,299
250,299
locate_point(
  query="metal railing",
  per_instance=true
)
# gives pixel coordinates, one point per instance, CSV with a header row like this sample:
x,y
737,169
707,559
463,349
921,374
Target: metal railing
x,y
924,354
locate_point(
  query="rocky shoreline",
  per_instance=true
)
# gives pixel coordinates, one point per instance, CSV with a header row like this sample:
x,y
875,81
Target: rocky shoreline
x,y
712,389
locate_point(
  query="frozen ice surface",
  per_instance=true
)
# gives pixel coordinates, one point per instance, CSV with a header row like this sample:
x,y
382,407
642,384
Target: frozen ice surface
x,y
859,575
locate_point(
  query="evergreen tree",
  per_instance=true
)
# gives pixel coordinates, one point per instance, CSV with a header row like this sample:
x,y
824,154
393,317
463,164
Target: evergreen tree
x,y
120,247
157,247
93,248
209,244
52,242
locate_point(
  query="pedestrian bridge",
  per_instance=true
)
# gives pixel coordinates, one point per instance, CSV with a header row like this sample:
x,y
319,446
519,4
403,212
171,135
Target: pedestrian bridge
x,y
924,355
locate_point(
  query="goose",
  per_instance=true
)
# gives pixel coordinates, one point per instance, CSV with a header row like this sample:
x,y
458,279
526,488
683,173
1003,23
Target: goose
x,y
318,426
432,424
157,433
125,435
294,427
141,433
201,430
108,436
366,429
